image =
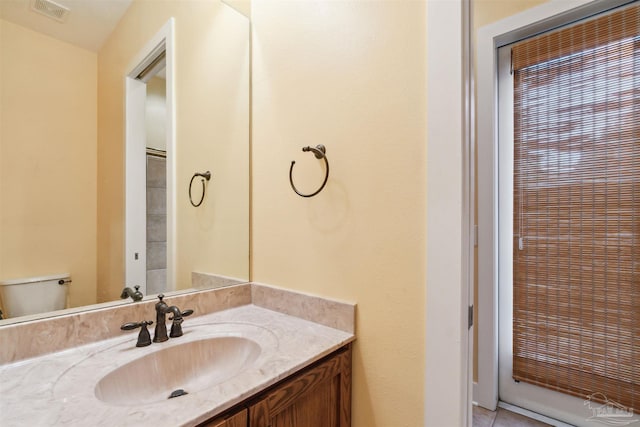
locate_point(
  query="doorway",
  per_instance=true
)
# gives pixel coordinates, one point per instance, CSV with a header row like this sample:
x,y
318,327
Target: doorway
x,y
150,167
528,201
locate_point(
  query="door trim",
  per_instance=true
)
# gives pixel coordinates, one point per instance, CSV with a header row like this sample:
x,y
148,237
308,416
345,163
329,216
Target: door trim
x,y
446,333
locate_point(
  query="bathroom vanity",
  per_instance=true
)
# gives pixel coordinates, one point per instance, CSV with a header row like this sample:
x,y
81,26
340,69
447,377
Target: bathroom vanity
x,y
259,357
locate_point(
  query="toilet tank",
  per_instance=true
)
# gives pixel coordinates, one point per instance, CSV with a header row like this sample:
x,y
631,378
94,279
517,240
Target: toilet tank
x,y
33,295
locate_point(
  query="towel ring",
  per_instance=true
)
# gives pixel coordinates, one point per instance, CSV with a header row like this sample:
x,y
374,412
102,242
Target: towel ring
x,y
207,176
318,151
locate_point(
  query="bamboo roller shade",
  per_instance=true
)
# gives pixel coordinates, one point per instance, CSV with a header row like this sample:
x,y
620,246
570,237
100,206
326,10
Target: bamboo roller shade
x,y
576,258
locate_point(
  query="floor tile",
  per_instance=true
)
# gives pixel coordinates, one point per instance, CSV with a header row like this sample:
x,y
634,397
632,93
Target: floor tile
x,y
483,417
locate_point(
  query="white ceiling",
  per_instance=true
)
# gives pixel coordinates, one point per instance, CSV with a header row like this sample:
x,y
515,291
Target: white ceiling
x,y
87,25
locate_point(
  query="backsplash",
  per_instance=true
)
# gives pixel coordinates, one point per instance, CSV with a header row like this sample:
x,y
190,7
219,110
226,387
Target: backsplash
x,y
331,313
35,338
39,337
206,280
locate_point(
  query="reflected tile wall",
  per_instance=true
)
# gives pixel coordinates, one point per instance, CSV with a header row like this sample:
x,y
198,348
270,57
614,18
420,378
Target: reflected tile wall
x,y
156,224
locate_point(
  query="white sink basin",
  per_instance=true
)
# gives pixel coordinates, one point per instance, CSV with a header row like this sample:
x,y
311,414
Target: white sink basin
x,y
191,367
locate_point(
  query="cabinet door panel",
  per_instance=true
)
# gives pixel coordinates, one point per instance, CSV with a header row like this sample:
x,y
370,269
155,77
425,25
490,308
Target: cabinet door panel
x,y
319,397
317,408
236,420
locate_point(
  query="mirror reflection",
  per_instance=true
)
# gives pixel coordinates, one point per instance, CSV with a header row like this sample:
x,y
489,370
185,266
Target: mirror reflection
x,y
79,159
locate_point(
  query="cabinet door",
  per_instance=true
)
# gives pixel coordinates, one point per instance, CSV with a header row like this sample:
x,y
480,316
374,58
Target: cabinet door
x,y
318,397
236,420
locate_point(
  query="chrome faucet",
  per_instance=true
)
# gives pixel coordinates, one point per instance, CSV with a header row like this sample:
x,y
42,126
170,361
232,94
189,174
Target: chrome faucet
x,y
160,333
128,292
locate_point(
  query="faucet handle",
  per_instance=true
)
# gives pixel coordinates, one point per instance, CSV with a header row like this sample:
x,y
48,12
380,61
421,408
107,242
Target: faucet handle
x,y
144,339
176,326
184,313
133,325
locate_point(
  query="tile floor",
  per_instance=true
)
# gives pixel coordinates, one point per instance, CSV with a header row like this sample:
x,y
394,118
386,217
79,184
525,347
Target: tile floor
x,y
502,418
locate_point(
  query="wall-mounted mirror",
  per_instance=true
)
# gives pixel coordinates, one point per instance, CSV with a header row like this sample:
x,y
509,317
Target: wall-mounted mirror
x,y
64,130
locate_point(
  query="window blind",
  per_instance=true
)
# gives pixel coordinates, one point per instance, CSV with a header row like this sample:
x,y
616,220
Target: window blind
x,y
576,257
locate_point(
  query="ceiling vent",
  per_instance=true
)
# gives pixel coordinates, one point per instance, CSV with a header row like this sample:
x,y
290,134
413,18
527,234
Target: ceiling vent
x,y
50,9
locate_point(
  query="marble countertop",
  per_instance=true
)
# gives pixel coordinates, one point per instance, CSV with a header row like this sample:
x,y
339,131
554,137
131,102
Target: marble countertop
x,y
58,389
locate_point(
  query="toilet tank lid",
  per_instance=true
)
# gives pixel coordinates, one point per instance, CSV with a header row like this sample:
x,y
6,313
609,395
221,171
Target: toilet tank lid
x,y
23,280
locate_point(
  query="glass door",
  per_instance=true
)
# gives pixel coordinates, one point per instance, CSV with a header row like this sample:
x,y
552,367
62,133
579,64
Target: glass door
x,y
569,203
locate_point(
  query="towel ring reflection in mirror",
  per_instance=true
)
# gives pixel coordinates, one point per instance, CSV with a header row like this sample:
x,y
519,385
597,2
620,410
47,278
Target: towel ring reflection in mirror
x,y
318,151
206,175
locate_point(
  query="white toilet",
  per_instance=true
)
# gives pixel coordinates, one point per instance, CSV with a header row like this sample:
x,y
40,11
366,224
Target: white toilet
x,y
33,295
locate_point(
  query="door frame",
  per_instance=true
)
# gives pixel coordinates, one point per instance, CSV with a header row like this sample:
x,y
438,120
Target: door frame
x,y
488,39
135,160
447,374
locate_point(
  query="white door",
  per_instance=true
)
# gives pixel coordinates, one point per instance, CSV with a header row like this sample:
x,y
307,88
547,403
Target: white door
x,y
136,186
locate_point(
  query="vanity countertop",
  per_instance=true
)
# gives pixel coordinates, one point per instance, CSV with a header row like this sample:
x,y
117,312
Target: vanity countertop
x,y
57,389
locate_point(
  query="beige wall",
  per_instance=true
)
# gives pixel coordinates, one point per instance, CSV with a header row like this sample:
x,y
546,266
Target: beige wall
x,y
212,125
486,12
48,160
351,76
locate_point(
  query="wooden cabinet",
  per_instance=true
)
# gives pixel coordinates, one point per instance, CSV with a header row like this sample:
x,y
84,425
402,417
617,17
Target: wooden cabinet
x,y
239,419
318,396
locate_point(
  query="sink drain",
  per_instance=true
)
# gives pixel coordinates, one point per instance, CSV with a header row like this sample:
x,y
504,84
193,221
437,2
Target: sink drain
x,y
177,393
